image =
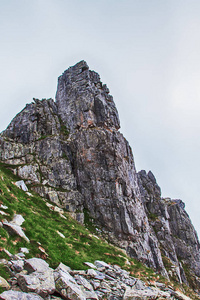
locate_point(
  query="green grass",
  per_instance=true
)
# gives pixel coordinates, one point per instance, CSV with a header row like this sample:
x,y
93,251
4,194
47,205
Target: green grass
x,y
43,137
41,226
63,129
152,216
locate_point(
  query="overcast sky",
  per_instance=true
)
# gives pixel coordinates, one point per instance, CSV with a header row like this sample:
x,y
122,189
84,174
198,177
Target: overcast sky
x,y
148,54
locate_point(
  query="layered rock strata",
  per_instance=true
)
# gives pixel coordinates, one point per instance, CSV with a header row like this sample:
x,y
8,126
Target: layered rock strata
x,y
71,151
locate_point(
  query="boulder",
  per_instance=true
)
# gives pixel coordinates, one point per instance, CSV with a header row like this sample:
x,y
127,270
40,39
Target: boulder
x,y
35,264
91,273
63,275
15,229
67,287
15,295
18,220
90,265
53,197
20,184
24,250
63,268
180,296
90,295
101,264
41,282
146,294
17,265
80,280
4,283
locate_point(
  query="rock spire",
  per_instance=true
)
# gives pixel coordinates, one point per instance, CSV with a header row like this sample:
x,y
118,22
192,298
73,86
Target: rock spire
x,y
83,101
71,151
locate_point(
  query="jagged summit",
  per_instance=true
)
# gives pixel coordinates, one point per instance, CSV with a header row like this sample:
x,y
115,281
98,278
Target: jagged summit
x,y
36,120
83,101
71,152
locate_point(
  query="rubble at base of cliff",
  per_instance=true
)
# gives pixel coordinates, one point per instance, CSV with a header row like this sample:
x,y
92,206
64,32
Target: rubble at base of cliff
x,y
33,279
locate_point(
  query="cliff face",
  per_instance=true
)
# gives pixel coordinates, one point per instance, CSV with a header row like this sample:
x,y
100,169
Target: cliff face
x,y
71,152
177,237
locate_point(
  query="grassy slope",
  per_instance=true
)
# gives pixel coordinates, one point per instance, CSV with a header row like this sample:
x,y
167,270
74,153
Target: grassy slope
x,y
41,226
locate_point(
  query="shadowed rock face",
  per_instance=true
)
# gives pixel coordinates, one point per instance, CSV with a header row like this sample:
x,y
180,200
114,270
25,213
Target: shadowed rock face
x,y
103,162
83,101
172,225
36,120
71,152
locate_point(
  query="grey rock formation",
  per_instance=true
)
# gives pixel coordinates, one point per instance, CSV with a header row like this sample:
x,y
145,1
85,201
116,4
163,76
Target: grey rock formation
x,y
35,264
15,295
177,237
67,286
41,283
14,227
71,152
4,284
21,185
37,120
145,294
112,283
81,91
149,188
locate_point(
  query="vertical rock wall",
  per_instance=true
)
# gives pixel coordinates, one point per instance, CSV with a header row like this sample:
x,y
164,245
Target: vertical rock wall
x,y
172,225
71,152
103,163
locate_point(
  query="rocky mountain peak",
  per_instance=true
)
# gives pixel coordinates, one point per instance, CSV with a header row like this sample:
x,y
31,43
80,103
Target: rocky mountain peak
x,y
36,120
83,101
72,153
